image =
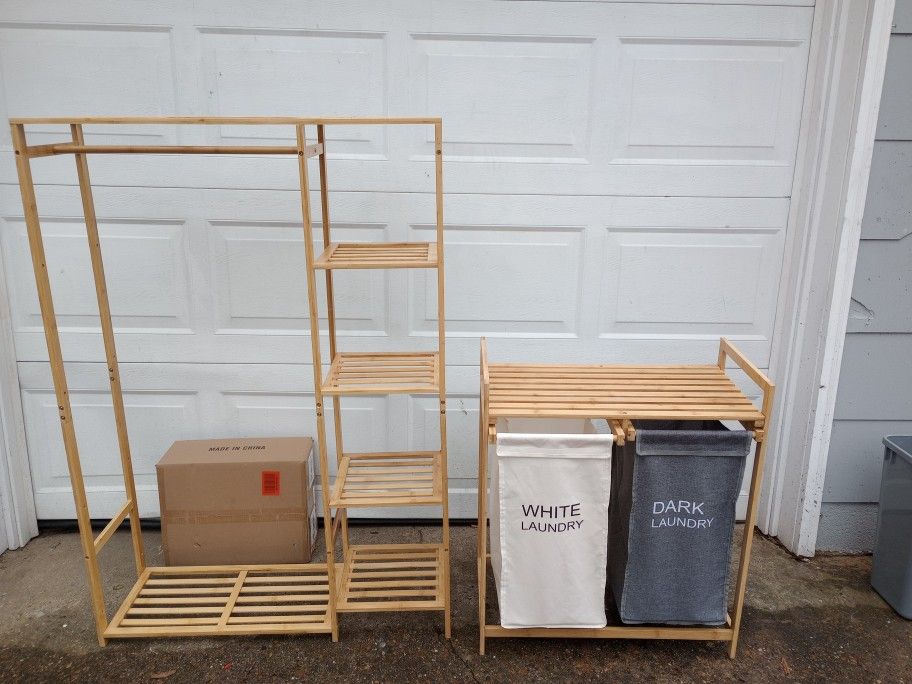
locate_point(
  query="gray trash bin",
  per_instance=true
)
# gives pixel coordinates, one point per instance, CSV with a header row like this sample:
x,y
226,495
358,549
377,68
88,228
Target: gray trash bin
x,y
891,574
672,515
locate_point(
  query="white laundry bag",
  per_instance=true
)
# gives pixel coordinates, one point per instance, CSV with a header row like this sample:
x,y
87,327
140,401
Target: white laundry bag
x,y
550,485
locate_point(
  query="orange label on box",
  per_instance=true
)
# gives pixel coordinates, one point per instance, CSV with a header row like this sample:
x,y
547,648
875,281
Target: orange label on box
x,y
270,481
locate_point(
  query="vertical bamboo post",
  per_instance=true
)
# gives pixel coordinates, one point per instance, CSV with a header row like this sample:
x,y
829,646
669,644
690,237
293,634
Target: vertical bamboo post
x,y
749,522
482,496
331,317
441,361
318,378
107,332
752,502
65,412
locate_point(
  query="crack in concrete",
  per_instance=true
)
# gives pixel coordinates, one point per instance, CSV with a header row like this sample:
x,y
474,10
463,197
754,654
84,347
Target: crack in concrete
x,y
465,663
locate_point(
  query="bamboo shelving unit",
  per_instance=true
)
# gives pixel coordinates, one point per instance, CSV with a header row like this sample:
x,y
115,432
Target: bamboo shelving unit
x,y
621,394
390,577
263,599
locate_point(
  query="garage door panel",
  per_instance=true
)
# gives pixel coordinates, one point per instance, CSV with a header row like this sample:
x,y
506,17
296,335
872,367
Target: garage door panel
x,y
665,275
270,72
652,100
81,67
522,279
155,420
259,284
690,281
147,259
511,98
462,419
703,101
268,412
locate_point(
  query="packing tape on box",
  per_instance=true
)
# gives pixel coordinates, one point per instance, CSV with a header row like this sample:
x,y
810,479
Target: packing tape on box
x,y
234,516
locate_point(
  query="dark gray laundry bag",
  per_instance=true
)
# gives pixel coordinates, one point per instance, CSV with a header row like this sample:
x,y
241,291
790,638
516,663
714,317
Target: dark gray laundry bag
x,y
672,514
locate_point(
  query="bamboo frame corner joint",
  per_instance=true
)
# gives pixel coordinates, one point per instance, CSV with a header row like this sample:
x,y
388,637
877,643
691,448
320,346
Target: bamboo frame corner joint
x,y
621,394
213,600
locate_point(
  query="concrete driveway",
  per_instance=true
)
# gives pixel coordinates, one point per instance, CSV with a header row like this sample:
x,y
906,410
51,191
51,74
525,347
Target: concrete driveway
x,y
807,621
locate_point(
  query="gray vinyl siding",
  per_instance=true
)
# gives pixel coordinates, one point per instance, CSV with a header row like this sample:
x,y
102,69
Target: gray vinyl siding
x,y
875,384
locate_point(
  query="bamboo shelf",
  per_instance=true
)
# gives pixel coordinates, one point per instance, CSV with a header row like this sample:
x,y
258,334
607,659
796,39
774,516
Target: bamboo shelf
x,y
389,479
621,394
378,255
387,373
259,599
393,577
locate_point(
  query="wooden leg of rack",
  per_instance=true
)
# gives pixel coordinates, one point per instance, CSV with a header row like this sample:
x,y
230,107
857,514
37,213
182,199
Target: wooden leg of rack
x,y
746,542
328,533
304,188
482,509
58,374
342,513
441,360
445,521
331,317
107,331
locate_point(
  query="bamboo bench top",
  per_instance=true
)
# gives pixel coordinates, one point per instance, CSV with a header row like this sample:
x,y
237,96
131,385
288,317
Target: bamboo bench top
x,y
615,391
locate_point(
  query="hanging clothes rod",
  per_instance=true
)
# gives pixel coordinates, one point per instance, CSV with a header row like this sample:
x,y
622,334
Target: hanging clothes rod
x,y
70,148
232,120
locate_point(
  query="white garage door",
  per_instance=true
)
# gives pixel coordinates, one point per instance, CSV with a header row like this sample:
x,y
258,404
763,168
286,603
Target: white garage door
x,y
617,179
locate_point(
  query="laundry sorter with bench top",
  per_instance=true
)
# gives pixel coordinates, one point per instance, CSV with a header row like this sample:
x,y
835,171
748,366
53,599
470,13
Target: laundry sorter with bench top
x,y
621,394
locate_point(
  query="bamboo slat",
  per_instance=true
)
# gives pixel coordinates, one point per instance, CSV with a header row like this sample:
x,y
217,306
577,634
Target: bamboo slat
x,y
105,535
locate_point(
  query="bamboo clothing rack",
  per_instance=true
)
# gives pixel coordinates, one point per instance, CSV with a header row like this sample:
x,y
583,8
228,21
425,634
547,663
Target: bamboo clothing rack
x,y
266,599
621,394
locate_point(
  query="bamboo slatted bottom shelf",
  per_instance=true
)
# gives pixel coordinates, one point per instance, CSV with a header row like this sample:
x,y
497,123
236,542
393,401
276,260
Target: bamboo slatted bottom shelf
x,y
393,577
388,479
225,601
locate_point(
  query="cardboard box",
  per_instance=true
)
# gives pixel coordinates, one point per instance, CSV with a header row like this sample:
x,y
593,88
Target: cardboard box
x,y
237,501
